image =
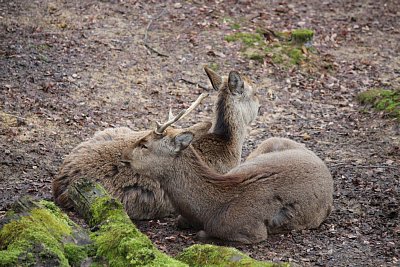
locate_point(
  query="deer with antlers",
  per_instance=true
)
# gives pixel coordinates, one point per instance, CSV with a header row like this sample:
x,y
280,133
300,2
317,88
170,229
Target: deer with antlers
x,y
100,157
273,192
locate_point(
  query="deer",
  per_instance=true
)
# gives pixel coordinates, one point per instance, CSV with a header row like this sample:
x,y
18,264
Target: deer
x,y
218,143
274,191
236,107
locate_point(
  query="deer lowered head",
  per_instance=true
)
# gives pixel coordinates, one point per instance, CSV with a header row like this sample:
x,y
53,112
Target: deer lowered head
x,y
272,193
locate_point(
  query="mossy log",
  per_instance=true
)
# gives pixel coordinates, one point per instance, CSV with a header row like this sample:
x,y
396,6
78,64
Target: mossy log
x,y
115,237
39,234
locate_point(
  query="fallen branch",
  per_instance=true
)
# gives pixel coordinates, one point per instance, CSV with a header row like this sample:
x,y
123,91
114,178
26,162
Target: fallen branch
x,y
114,236
146,35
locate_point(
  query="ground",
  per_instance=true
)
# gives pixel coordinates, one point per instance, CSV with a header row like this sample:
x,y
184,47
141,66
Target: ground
x,y
71,68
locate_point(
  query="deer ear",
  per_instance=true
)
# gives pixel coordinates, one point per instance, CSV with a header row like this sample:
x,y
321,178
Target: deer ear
x,y
215,79
182,141
235,83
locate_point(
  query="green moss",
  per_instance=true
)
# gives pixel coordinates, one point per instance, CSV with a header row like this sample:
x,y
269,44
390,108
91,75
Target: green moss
x,y
214,66
254,54
249,39
119,241
383,100
302,36
283,53
210,255
75,254
38,234
41,232
235,26
107,208
296,55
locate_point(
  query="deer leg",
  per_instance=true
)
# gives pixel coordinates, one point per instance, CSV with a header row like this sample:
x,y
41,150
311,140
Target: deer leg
x,y
232,229
184,223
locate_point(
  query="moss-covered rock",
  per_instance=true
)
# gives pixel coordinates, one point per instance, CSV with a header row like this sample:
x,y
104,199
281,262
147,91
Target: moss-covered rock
x,y
210,255
36,234
383,100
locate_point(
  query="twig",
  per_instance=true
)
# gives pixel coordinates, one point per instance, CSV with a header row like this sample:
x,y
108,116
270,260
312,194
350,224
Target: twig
x,y
146,35
194,83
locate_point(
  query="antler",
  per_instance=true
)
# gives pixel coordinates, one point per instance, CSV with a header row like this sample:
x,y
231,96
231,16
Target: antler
x,y
172,119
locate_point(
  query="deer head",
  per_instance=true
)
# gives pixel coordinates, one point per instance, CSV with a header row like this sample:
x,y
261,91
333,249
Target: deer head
x,y
237,100
162,141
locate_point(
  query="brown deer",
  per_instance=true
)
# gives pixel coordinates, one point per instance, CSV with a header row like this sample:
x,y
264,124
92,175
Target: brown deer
x,y
100,157
273,192
236,108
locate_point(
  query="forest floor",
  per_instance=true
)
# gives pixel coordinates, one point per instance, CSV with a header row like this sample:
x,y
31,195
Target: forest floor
x,y
70,68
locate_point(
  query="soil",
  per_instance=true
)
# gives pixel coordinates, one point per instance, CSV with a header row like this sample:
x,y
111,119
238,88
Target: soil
x,y
71,68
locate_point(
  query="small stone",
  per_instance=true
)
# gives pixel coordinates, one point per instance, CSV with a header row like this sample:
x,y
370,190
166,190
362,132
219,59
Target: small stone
x,y
177,5
74,75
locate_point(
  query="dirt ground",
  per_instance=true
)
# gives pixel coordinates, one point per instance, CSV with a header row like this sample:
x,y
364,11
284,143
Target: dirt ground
x,y
70,68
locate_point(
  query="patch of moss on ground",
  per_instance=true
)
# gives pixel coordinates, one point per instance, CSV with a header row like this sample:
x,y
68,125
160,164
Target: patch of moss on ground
x,y
214,66
35,237
210,255
383,100
287,51
234,23
247,38
302,36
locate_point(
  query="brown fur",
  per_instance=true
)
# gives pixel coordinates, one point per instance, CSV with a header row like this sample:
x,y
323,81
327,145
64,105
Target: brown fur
x,y
100,157
236,107
278,191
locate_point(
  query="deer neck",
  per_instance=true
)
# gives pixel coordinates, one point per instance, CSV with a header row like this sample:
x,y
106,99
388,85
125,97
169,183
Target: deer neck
x,y
187,187
229,122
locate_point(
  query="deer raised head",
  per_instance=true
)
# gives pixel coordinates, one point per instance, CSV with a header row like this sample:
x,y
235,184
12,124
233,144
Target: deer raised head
x,y
235,109
274,192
